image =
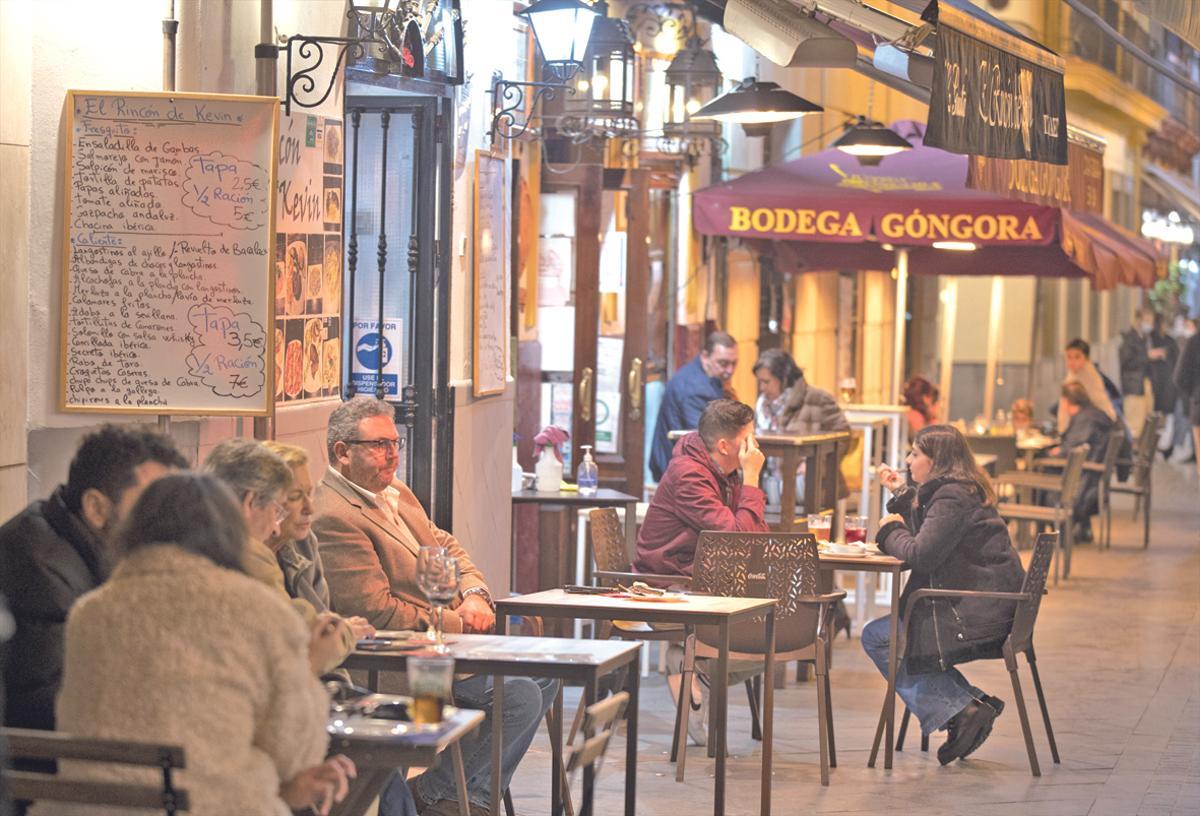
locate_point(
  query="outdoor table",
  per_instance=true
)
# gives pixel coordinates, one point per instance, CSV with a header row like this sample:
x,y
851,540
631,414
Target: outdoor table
x,y
896,416
581,662
880,563
987,461
694,610
553,569
379,747
874,428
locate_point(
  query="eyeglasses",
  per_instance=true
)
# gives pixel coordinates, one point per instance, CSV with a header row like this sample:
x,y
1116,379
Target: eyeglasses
x,y
382,446
282,511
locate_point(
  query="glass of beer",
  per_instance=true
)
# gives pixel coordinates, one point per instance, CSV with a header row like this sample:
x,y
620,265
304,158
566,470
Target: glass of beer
x,y
430,680
848,390
819,526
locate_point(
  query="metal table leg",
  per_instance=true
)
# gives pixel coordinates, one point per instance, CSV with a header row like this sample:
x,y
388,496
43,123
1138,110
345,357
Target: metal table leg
x,y
768,713
720,696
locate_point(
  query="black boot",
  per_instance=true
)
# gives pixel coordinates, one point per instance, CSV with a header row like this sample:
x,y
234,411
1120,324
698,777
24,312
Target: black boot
x,y
996,705
965,729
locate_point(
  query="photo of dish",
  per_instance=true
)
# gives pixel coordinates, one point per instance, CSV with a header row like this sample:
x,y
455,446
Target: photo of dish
x,y
316,272
297,266
329,363
280,286
279,350
314,338
333,274
333,142
333,206
293,375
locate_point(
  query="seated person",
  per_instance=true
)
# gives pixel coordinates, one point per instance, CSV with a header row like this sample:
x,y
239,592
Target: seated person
x,y
710,484
1022,418
1082,371
370,528
58,548
948,533
258,478
1086,425
180,646
923,400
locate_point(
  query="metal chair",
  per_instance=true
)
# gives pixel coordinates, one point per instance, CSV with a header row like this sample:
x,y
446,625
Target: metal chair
x,y
1060,515
599,722
1019,641
1139,484
38,786
782,566
1105,468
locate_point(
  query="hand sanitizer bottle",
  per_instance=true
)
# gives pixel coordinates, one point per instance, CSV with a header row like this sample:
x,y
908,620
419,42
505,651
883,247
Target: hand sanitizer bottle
x,y
588,475
517,476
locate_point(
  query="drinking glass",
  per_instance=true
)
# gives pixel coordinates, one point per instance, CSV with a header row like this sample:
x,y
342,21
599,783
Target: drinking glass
x,y
819,526
438,577
423,557
430,682
849,390
856,529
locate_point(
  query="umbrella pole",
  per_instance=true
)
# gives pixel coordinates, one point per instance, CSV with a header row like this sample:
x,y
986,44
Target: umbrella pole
x,y
995,318
900,322
949,302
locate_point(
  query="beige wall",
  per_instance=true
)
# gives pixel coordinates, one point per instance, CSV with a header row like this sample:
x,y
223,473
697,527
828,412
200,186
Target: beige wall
x,y
16,21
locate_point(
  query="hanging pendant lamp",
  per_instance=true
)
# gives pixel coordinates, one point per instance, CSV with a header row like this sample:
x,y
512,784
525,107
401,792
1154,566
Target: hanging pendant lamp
x,y
870,142
756,106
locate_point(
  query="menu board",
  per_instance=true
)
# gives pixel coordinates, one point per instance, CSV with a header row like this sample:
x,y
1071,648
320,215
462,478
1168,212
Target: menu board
x,y
166,294
308,259
491,276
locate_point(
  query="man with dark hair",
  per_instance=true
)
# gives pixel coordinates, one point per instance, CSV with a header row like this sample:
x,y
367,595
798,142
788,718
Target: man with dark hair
x,y
57,549
1081,370
704,379
1087,425
702,490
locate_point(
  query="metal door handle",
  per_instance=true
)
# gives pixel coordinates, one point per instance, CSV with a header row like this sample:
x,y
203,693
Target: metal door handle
x,y
585,395
635,389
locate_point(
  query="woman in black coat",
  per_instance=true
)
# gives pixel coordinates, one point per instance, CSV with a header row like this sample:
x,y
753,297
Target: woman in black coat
x,y
946,530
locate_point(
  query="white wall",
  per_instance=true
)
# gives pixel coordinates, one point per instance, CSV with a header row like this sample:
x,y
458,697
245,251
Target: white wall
x,y
54,45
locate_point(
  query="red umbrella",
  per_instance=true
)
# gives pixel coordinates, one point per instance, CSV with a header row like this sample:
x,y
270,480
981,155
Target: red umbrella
x,y
828,211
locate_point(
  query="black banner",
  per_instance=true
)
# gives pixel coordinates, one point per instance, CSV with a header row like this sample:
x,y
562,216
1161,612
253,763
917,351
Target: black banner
x,y
988,102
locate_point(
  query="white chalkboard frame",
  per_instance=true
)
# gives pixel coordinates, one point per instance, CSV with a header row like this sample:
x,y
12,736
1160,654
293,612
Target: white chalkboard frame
x,y
267,409
481,386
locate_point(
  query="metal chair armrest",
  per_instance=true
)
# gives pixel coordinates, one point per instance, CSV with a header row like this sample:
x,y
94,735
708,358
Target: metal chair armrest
x,y
1038,481
922,594
827,598
681,580
1059,462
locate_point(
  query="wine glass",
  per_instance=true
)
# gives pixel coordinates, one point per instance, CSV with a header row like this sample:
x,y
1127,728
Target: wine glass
x,y
439,580
423,558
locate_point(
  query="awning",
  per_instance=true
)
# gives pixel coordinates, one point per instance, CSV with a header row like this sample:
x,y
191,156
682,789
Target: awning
x,y
1173,188
995,93
826,211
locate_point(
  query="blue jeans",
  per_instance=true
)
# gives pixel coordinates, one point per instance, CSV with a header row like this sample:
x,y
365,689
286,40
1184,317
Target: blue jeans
x,y
934,697
525,703
397,799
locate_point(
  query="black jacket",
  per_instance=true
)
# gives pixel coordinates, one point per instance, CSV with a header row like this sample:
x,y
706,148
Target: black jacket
x,y
1187,375
1137,367
48,558
952,541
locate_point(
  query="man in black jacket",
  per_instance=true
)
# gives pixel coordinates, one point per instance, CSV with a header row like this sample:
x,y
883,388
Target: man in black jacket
x,y
57,549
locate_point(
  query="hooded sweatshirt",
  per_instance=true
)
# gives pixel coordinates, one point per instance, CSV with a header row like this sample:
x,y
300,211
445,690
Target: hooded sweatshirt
x,y
693,496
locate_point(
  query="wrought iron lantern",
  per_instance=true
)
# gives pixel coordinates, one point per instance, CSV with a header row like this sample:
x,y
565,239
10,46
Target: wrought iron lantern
x,y
693,80
561,29
604,90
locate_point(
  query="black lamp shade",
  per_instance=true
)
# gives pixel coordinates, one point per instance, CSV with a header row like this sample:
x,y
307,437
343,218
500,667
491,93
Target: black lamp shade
x,y
871,140
756,103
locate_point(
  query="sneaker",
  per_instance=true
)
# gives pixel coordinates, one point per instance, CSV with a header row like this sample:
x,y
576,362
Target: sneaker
x,y
698,717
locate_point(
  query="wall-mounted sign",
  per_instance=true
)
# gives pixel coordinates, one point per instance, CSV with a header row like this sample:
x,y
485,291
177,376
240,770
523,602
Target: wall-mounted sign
x,y
994,94
1079,185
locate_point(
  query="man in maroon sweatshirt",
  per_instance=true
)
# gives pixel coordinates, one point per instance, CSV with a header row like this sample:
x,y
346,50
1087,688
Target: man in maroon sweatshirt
x,y
702,490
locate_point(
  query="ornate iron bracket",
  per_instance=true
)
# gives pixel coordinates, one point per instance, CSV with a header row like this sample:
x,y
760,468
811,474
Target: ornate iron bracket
x,y
303,86
509,103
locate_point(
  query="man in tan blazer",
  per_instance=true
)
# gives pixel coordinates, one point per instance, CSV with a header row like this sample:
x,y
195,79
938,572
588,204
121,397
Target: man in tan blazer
x,y
370,528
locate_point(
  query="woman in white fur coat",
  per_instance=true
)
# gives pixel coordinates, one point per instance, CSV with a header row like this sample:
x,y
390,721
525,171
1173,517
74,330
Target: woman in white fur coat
x,y
181,647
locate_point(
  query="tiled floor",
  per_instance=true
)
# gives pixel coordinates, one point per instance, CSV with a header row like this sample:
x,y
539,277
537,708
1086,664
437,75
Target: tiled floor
x,y
1119,650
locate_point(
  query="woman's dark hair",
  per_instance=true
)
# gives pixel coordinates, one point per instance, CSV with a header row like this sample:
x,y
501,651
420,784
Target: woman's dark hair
x,y
952,458
915,390
781,365
192,511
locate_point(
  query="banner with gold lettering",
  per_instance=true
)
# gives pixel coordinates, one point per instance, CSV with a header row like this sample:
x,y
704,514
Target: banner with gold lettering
x,y
995,94
1078,186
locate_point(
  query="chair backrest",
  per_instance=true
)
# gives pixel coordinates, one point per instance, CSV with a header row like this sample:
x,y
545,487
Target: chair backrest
x,y
36,786
599,721
1116,437
782,566
1143,456
1072,478
1034,586
608,540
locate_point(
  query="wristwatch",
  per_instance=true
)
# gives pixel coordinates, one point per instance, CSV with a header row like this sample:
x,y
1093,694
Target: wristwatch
x,y
483,593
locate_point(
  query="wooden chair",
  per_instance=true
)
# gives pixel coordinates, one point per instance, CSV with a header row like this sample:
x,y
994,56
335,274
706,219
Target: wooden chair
x,y
1105,469
1066,485
599,723
783,566
1139,484
1019,641
37,786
